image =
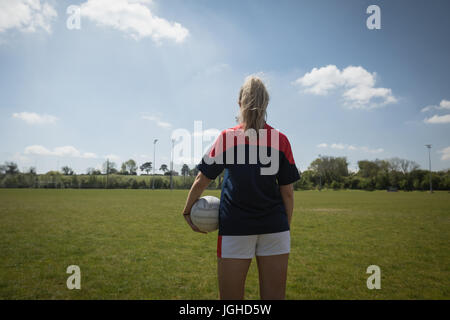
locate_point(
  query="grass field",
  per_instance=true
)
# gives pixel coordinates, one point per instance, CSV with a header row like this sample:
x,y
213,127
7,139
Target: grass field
x,y
134,244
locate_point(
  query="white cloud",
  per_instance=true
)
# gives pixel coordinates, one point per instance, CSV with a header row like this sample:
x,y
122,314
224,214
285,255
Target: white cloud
x,y
208,133
445,153
37,150
26,15
444,105
358,85
342,146
20,158
163,124
158,121
339,146
34,118
438,119
134,18
321,81
112,157
369,150
65,151
89,155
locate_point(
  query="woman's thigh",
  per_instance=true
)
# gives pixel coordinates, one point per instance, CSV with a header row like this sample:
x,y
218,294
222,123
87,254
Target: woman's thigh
x,y
272,276
232,274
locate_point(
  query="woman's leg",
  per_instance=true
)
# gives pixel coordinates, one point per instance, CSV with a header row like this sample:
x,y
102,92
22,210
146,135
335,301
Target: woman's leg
x,y
232,274
272,276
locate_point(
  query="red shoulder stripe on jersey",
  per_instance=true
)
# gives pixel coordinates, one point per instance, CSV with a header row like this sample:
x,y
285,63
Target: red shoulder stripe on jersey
x,y
235,136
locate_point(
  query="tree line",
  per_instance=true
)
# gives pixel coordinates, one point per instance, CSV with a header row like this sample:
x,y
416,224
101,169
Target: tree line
x,y
108,177
387,174
325,172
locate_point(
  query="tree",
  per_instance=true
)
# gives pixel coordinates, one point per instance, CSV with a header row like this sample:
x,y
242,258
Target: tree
x,y
330,168
185,170
109,167
381,181
11,168
394,179
164,168
383,165
93,172
335,185
193,172
67,171
394,164
113,171
173,172
147,167
129,167
368,169
408,166
123,169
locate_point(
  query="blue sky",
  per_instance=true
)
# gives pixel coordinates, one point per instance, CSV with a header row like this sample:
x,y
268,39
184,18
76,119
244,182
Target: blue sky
x,y
138,70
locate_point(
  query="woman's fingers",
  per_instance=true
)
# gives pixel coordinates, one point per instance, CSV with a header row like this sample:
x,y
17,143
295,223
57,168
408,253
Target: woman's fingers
x,y
196,229
192,225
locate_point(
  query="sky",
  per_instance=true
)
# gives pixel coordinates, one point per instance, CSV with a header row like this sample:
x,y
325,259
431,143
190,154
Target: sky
x,y
133,71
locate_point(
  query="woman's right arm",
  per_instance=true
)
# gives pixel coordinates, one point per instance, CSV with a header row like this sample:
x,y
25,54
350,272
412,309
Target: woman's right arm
x,y
199,185
287,193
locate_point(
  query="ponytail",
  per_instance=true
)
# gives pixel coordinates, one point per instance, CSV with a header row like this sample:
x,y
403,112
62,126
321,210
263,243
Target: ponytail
x,y
253,101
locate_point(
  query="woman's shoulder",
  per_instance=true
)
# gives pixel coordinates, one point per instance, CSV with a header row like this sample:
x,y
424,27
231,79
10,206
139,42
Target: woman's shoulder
x,y
283,138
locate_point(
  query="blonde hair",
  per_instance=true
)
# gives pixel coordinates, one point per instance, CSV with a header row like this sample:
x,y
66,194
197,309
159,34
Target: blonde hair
x,y
253,101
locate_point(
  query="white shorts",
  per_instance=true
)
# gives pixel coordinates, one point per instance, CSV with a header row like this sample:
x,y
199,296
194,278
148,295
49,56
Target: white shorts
x,y
246,247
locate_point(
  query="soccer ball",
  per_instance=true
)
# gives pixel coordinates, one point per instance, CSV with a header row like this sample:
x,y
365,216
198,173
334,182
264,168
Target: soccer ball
x,y
205,213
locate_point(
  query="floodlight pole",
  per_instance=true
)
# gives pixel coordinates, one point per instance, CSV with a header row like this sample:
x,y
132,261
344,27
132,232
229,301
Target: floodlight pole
x,y
154,163
171,166
107,173
320,176
429,162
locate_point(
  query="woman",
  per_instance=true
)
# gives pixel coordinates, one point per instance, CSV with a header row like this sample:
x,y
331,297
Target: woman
x,y
256,202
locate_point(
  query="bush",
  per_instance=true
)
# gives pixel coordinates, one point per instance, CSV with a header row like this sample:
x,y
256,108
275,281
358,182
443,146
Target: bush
x,y
132,183
415,180
355,182
335,185
367,184
142,184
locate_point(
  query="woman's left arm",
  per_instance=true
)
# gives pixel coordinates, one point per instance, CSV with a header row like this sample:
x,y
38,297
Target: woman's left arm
x,y
287,193
199,185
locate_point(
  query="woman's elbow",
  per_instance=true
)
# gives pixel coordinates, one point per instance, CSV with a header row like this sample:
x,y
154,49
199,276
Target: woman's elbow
x,y
287,191
202,181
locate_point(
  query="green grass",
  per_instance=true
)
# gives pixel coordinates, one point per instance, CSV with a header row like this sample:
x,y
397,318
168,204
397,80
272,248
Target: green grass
x,y
134,244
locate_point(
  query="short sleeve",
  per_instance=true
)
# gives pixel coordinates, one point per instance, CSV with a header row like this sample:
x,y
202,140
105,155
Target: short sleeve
x,y
212,163
288,172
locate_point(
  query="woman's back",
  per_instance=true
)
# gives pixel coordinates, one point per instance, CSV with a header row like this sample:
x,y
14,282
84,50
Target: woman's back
x,y
254,168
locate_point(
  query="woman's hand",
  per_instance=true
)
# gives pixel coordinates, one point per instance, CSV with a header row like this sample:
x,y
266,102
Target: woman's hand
x,y
187,217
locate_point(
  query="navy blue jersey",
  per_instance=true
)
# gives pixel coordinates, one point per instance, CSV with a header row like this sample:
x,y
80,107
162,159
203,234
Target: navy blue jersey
x,y
255,167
